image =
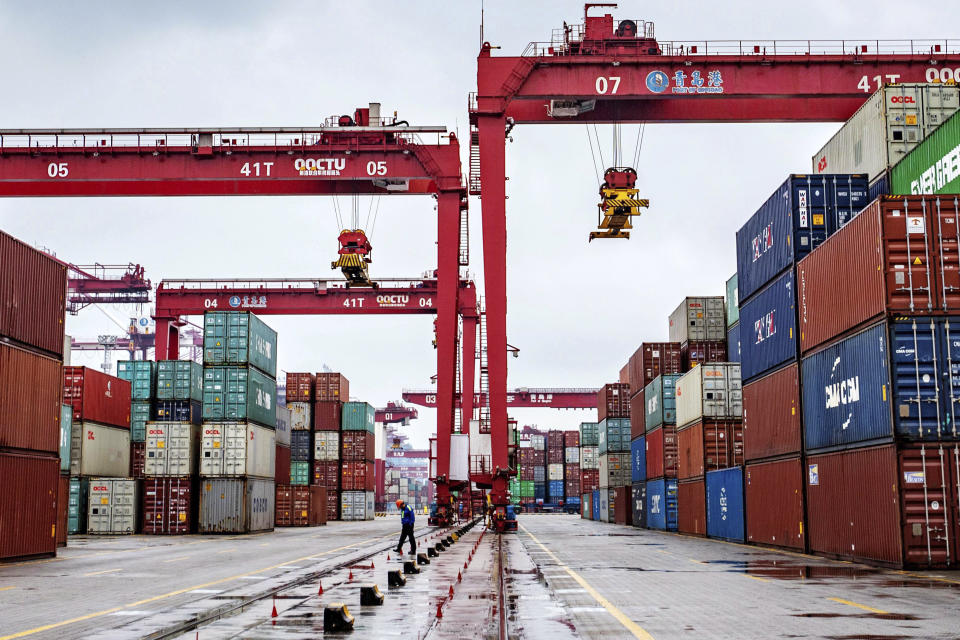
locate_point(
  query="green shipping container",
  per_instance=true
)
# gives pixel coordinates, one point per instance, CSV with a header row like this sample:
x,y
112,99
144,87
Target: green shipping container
x,y
179,380
239,393
589,434
933,166
239,338
733,304
66,423
77,505
300,473
140,414
357,416
142,375
526,488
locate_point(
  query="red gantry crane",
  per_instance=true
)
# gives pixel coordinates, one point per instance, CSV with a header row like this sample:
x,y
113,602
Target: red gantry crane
x,y
616,71
359,155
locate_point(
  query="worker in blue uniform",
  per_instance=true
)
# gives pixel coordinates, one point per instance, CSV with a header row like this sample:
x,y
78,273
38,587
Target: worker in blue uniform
x,y
407,519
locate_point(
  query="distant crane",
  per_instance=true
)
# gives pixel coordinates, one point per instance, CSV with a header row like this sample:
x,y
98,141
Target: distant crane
x,y
106,284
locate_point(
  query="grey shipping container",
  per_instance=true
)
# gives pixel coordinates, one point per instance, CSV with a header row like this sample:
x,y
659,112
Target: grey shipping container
x,y
589,434
283,425
710,391
179,380
605,505
236,505
234,449
614,435
356,505
732,300
172,449
239,393
113,506
699,318
615,469
239,338
99,450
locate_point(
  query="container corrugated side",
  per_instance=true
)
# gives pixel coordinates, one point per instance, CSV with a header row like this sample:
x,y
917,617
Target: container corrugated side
x,y
660,398
179,380
638,409
770,318
732,301
239,338
234,449
169,506
30,394
77,505
28,503
301,416
692,507
172,449
930,478
734,353
652,359
358,416
662,504
33,293
234,505
662,452
283,426
775,506
706,445
239,393
66,431
725,513
96,396
300,387
772,424
99,450
114,507
711,391
142,376
638,456
698,318
639,496
932,167
332,387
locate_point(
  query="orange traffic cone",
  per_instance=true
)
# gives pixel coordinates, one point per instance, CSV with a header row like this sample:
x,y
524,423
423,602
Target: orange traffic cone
x,y
459,577
451,591
320,590
371,565
440,609
273,614
350,576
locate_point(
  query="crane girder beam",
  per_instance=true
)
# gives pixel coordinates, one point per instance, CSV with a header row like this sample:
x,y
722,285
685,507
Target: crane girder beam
x,y
545,398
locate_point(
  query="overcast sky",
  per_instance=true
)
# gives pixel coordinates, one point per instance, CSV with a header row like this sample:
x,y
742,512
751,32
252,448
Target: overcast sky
x,y
577,310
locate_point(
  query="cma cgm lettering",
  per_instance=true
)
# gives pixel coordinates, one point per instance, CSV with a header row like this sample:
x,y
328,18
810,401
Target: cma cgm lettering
x,y
842,393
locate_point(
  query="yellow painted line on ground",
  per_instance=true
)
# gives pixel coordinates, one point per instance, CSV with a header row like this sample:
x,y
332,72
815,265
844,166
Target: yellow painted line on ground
x,y
230,550
858,606
6,588
630,625
757,578
98,573
666,553
264,544
27,562
176,559
696,561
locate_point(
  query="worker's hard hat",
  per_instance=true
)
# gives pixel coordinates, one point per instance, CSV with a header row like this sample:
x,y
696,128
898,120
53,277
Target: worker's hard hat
x,y
399,503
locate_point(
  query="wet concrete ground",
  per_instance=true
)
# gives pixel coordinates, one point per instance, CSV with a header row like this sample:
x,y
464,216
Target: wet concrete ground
x,y
621,582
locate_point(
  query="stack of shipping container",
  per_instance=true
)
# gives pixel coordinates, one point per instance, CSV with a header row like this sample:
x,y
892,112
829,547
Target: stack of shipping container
x,y
32,306
590,469
331,391
238,444
357,461
613,445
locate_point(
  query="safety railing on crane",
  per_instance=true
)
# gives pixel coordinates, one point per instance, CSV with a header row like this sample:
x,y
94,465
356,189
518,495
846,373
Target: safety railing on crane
x,y
288,283
753,48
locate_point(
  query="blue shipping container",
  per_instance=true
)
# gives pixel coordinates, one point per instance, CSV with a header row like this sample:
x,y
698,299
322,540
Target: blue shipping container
x,y
792,222
573,499
662,504
769,318
539,491
639,494
733,344
595,504
725,515
555,490
638,456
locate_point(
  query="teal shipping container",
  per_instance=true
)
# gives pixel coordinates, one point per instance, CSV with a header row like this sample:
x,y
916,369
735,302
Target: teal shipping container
x,y
933,166
660,401
357,416
614,435
239,338
66,423
239,393
300,473
77,505
733,308
140,414
142,375
589,434
179,380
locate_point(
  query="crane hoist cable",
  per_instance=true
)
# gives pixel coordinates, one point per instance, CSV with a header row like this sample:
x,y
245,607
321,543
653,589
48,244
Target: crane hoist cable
x,y
619,201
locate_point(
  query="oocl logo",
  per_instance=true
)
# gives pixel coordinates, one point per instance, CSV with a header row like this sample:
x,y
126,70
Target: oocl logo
x,y
234,301
903,100
657,81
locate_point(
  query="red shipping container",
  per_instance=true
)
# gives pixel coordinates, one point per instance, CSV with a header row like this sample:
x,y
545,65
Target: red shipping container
x,y
625,374
589,480
702,352
332,387
571,487
31,387
357,445
651,360
708,445
327,474
356,476
555,439
33,296
692,507
613,401
28,504
571,438
555,456
97,397
170,506
63,499
638,417
526,472
571,471
774,503
300,387
772,423
622,508
533,457
281,473
299,506
899,256
138,458
327,415
333,505
662,452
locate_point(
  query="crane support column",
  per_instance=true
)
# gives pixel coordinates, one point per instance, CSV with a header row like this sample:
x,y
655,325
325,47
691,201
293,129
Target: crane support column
x,y
167,345
448,242
468,368
493,168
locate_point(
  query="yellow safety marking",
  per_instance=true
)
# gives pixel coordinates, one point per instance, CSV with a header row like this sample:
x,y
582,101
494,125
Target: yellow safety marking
x,y
227,550
6,588
757,578
858,606
264,544
97,573
666,553
631,626
696,561
178,559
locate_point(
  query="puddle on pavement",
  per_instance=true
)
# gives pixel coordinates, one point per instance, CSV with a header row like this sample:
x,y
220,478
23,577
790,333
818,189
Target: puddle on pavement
x,y
871,616
867,637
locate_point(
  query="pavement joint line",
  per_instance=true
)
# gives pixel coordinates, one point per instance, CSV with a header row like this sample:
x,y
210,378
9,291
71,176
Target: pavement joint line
x,y
630,625
858,606
98,573
163,596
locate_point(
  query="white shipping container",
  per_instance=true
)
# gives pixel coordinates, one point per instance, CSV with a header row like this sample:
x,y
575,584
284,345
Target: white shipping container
x,y
356,505
615,470
710,391
459,457
889,125
99,450
589,457
283,425
700,318
326,446
300,416
604,505
236,505
572,455
172,449
113,506
555,471
480,443
237,449
538,442
380,441
433,467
